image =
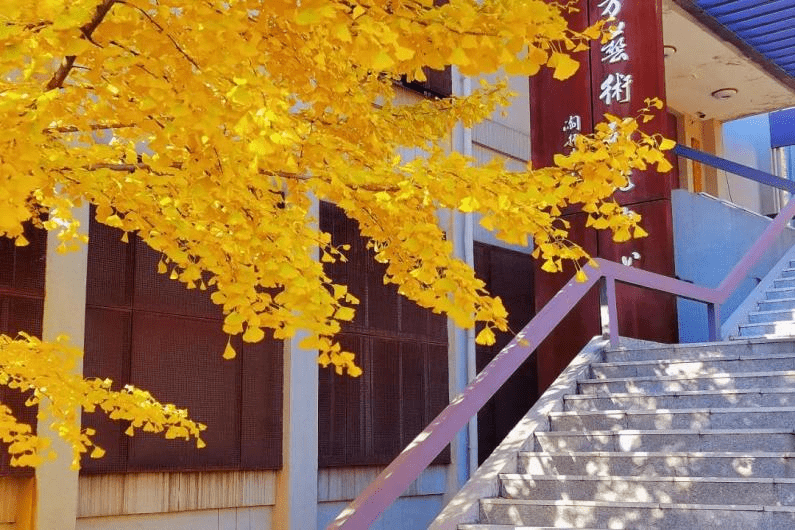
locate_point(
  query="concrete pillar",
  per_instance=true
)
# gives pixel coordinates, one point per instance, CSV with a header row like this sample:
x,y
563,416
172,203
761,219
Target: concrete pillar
x,y
296,481
461,343
64,313
715,182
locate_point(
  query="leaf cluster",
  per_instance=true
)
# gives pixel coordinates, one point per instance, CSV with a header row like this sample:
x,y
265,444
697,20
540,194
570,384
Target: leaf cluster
x,y
208,127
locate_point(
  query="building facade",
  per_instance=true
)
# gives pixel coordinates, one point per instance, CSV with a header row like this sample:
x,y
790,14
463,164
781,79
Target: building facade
x,y
289,443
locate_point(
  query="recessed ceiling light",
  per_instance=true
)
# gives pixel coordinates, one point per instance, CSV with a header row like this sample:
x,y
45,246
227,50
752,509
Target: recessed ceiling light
x,y
724,93
668,50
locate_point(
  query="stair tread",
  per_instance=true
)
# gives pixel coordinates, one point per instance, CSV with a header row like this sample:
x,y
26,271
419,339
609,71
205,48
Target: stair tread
x,y
779,289
677,454
493,526
735,357
628,478
667,431
765,336
779,323
618,504
688,346
733,375
772,311
711,410
672,393
769,300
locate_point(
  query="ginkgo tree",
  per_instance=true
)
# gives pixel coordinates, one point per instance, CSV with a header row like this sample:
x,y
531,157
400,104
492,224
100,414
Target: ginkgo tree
x,y
208,127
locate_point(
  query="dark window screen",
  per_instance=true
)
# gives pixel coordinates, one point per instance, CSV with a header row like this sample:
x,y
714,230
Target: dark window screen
x,y
21,309
152,332
402,349
509,275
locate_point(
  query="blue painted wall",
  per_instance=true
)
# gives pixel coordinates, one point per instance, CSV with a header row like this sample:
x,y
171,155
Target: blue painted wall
x,y
710,237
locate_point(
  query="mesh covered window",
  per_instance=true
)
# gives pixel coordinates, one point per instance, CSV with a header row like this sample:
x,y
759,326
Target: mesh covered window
x,y
145,329
21,309
509,275
402,349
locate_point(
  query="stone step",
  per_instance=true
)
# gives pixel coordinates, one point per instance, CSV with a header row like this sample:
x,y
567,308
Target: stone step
x,y
704,350
784,282
776,329
789,272
661,516
513,527
694,419
747,363
776,305
757,317
746,397
679,440
692,490
779,293
657,464
722,381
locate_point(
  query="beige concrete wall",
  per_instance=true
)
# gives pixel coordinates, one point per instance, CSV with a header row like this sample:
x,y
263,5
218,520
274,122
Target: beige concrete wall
x,y
258,518
11,499
210,500
345,483
484,155
140,493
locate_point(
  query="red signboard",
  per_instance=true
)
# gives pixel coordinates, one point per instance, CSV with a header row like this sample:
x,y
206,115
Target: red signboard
x,y
559,109
625,72
615,77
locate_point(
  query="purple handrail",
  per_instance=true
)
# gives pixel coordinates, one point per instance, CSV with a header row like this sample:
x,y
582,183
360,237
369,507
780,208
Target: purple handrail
x,y
394,480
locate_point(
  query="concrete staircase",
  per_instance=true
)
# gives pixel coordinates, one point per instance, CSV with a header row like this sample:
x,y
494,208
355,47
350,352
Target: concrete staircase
x,y
775,312
684,437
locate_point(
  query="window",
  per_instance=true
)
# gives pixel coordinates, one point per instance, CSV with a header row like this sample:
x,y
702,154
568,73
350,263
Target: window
x,y
145,329
402,349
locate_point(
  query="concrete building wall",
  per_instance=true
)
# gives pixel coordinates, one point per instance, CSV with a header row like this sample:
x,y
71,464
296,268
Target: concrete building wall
x,y
258,518
747,141
710,237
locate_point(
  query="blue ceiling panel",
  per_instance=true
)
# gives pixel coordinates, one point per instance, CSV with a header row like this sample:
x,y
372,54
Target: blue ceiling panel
x,y
780,18
768,26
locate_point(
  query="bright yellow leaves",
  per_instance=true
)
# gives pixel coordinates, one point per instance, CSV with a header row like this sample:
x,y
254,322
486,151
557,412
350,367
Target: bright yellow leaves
x,y
563,64
210,153
46,370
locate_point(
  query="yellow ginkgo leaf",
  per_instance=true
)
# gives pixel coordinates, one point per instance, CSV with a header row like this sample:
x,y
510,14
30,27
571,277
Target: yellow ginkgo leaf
x,y
229,351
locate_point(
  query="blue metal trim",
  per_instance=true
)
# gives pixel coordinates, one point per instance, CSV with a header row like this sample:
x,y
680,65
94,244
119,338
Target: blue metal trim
x,y
735,168
765,25
782,128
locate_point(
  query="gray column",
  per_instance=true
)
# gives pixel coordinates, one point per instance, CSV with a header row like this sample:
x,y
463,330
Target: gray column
x,y
64,313
296,482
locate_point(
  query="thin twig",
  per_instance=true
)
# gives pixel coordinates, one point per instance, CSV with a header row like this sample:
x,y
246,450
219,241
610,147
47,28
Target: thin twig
x,y
162,30
94,127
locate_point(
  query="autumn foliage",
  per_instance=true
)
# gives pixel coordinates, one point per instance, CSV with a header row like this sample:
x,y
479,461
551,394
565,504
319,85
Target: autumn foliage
x,y
208,128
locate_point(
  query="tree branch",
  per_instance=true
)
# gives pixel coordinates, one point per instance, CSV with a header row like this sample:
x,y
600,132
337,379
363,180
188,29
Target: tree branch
x,y
87,29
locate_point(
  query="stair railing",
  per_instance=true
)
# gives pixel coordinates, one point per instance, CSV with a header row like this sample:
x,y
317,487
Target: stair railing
x,y
408,465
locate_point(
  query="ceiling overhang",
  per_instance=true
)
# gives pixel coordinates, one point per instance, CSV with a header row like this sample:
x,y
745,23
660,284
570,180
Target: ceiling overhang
x,y
710,57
